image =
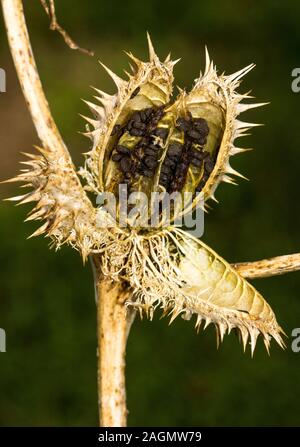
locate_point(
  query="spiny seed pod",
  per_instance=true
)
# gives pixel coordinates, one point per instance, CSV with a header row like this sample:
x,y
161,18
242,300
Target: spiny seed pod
x,y
144,140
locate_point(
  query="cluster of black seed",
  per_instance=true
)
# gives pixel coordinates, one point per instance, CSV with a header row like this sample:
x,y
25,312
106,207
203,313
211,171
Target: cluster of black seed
x,y
208,163
195,129
143,159
137,125
144,122
179,156
169,166
147,153
122,155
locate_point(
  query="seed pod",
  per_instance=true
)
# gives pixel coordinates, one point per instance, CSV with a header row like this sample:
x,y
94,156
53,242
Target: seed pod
x,y
218,295
203,124
185,277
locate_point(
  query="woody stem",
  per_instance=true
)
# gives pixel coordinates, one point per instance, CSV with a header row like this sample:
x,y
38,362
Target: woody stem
x,y
269,267
113,325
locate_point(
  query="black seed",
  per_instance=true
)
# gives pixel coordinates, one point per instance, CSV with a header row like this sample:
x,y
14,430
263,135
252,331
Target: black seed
x,y
143,116
146,172
116,157
184,163
116,129
202,140
136,132
125,164
169,162
206,154
164,176
150,162
183,124
135,92
139,125
136,117
165,169
174,149
197,154
196,162
209,165
201,125
149,111
123,149
195,135
155,147
161,132
159,113
173,159
151,152
164,179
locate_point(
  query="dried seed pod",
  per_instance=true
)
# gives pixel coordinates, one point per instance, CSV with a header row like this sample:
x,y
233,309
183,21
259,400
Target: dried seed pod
x,y
200,125
194,280
144,141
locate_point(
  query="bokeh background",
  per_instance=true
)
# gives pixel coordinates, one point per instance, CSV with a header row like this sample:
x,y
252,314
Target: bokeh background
x,y
174,376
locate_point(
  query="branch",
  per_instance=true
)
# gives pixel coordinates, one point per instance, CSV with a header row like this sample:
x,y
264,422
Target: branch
x,y
269,267
113,321
29,78
36,101
55,26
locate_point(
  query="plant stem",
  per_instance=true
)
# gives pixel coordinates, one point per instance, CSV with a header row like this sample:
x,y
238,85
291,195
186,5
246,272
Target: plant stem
x,y
113,325
29,78
269,267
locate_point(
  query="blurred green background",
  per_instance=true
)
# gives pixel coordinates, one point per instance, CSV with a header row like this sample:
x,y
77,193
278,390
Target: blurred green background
x,y
174,376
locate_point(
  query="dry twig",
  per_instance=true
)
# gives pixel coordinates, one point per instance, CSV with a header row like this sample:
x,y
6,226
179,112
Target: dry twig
x,y
55,26
269,267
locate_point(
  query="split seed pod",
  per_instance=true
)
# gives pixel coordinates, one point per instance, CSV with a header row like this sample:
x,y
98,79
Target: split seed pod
x,y
144,139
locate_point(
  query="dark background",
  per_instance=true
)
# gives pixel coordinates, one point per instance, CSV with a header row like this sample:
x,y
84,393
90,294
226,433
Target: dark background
x,y
174,376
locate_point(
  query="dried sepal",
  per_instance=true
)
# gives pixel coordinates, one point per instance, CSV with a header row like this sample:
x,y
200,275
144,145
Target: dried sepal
x,y
62,205
183,276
